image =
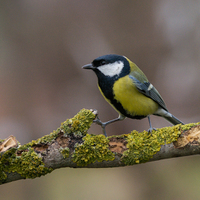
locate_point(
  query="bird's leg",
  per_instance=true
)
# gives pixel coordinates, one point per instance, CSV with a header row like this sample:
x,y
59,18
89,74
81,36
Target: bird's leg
x,y
104,124
150,129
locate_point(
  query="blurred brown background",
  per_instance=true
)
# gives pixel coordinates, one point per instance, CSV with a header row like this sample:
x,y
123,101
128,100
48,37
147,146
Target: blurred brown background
x,y
43,45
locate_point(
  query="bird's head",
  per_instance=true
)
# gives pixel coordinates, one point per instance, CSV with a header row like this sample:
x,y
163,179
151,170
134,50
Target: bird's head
x,y
110,66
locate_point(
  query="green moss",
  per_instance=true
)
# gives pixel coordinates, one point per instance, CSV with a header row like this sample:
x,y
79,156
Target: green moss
x,y
3,175
142,146
79,124
5,160
43,140
65,152
188,126
94,148
28,164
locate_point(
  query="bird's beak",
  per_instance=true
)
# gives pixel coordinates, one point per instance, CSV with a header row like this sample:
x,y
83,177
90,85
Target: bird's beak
x,y
88,66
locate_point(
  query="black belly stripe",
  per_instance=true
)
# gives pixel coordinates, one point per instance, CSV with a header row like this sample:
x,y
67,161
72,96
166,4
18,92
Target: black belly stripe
x,y
106,88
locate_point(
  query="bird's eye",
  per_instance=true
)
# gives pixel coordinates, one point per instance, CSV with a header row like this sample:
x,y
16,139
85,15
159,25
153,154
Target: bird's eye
x,y
103,62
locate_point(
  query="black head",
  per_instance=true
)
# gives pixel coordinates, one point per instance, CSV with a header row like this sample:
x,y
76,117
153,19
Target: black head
x,y
110,66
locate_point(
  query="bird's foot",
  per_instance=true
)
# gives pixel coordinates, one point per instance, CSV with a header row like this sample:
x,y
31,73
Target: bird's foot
x,y
102,124
151,129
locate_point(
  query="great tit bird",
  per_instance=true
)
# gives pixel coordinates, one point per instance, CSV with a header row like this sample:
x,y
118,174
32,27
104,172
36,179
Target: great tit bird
x,y
128,90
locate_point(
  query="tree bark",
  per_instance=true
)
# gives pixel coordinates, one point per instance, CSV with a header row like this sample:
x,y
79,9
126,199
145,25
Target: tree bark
x,y
71,146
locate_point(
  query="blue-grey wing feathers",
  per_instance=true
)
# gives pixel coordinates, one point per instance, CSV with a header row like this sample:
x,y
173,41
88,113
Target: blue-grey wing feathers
x,y
149,90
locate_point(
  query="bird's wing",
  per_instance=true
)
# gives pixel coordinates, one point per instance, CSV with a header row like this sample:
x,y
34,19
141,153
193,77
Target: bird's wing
x,y
148,90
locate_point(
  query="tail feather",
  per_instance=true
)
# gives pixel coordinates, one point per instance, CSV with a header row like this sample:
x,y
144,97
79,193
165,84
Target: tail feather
x,y
172,119
168,116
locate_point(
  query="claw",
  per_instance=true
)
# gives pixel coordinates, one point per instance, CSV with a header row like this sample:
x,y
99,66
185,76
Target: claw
x,y
151,129
97,120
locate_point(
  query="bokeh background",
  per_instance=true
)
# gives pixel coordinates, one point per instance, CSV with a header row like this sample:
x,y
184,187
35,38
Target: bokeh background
x,y
43,45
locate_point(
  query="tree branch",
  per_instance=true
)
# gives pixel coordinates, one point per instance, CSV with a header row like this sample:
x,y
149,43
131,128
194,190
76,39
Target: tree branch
x,y
71,146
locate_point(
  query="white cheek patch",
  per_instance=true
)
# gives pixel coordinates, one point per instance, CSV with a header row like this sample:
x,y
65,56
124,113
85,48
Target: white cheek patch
x,y
111,69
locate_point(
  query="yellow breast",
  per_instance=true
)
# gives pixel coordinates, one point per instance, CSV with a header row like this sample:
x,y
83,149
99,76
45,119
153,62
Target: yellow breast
x,y
134,102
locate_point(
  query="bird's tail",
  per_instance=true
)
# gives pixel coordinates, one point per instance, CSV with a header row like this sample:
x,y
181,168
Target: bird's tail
x,y
172,119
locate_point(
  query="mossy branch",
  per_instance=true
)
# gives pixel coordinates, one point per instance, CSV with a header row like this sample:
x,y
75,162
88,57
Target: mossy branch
x,y
71,146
